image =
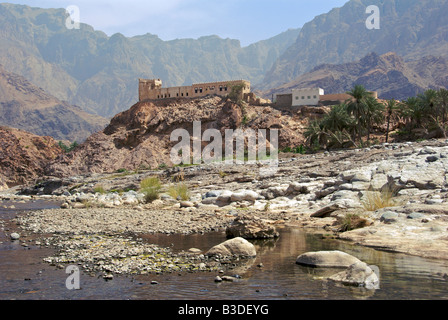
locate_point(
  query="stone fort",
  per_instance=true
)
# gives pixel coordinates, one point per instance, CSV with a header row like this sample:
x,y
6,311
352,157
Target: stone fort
x,y
151,89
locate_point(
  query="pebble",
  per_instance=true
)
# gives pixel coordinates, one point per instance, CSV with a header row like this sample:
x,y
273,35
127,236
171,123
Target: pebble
x,y
15,236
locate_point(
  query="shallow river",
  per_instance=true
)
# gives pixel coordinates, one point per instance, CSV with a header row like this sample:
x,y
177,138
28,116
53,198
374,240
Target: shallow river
x,y
24,276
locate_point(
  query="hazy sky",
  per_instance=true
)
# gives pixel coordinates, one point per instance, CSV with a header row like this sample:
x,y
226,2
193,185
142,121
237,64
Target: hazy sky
x,y
246,20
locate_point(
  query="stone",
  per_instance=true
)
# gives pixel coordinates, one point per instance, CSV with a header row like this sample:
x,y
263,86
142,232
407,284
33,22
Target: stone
x,y
327,259
389,217
251,228
416,215
326,211
234,247
432,159
246,195
358,274
15,236
427,150
186,204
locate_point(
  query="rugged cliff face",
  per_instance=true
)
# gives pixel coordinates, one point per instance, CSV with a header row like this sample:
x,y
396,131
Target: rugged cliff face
x,y
140,136
23,156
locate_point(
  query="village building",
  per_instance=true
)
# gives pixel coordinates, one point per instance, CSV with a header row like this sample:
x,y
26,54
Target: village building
x,y
312,97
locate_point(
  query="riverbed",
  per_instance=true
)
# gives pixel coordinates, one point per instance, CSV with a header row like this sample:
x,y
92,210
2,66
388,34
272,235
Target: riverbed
x,y
273,275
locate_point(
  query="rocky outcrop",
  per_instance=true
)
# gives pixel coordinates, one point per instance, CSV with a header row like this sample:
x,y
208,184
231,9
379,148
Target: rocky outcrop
x,y
23,156
251,228
139,138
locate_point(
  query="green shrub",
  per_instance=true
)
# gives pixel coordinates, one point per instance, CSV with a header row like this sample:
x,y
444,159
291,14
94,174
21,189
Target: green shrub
x,y
179,191
151,187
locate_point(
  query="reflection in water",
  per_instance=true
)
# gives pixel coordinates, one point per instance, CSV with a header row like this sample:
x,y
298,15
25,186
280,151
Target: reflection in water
x,y
23,275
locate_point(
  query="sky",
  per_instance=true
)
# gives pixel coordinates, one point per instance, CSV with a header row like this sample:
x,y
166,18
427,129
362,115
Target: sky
x,y
246,20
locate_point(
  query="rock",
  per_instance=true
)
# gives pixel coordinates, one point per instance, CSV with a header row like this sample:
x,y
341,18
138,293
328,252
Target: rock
x,y
65,205
15,236
186,204
326,211
195,250
358,274
427,150
389,217
218,279
327,259
296,188
246,195
432,159
251,228
234,247
225,196
416,215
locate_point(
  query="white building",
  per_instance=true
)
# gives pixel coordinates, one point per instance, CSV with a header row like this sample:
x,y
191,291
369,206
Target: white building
x,y
306,97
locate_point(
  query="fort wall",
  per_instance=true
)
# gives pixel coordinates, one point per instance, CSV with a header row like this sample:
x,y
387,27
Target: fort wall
x,y
151,89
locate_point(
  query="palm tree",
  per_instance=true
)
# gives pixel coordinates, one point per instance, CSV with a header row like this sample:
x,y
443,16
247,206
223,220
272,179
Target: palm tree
x,y
337,119
315,134
442,102
391,106
373,113
414,110
429,101
356,106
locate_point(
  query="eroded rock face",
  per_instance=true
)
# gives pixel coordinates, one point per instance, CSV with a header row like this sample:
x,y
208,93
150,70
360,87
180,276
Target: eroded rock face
x,y
235,247
23,156
327,259
251,228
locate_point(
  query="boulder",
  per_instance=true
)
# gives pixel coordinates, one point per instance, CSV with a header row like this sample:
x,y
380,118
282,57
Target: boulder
x,y
358,274
251,228
234,247
327,259
389,217
245,195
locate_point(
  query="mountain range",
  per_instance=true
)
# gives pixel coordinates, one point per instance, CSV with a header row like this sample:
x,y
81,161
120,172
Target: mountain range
x,y
411,28
28,107
388,74
100,73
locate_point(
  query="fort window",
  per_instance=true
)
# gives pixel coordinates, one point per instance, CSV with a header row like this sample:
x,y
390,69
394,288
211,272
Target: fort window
x,y
200,90
187,94
177,94
309,97
315,97
303,97
195,90
225,88
182,94
220,88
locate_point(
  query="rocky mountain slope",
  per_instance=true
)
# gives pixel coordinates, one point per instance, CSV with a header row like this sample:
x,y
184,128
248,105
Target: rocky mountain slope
x,y
140,136
100,73
26,106
389,74
23,156
411,28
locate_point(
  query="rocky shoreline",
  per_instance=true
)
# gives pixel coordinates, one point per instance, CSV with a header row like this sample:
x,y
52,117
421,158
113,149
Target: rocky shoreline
x,y
326,193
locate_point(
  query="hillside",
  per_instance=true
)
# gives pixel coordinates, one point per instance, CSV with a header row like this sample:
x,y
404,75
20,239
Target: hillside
x,y
388,74
99,73
411,28
140,137
23,156
26,106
